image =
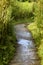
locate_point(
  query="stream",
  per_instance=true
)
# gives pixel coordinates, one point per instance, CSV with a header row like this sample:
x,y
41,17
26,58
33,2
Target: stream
x,y
26,53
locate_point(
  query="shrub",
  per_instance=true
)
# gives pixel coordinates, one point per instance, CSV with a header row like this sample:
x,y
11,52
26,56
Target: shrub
x,y
22,10
7,42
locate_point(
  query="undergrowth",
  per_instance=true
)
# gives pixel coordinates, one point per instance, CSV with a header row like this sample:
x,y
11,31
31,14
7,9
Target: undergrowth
x,y
36,28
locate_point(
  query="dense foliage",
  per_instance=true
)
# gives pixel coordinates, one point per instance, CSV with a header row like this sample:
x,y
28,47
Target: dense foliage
x,y
7,39
22,10
13,11
27,0
10,10
37,28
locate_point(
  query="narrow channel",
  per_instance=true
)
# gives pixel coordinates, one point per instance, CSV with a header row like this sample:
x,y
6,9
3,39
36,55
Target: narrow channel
x,y
26,53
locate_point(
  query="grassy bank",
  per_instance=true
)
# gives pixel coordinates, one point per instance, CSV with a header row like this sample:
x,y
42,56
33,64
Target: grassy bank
x,y
36,29
38,41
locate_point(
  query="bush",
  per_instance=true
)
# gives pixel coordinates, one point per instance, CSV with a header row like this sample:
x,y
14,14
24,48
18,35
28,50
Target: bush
x,y
37,28
22,10
35,33
7,39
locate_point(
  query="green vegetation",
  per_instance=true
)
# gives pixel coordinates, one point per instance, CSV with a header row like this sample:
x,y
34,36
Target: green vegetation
x,y
7,39
19,11
11,13
22,11
36,28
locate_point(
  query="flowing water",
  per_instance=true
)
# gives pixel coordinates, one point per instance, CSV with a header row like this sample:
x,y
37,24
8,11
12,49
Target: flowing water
x,y
26,53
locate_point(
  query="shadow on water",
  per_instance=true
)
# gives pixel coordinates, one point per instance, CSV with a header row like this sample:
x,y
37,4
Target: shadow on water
x,y
26,52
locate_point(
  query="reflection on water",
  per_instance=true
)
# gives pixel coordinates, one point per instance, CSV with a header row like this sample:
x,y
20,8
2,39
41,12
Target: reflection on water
x,y
24,42
26,52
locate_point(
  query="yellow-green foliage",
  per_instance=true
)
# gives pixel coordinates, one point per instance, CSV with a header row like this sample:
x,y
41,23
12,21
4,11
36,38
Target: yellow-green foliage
x,y
26,0
22,10
13,9
41,49
6,41
36,28
33,28
41,27
35,32
40,52
3,7
26,6
10,9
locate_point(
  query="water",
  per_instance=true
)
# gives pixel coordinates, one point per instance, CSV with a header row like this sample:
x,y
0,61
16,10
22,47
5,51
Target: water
x,y
26,53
